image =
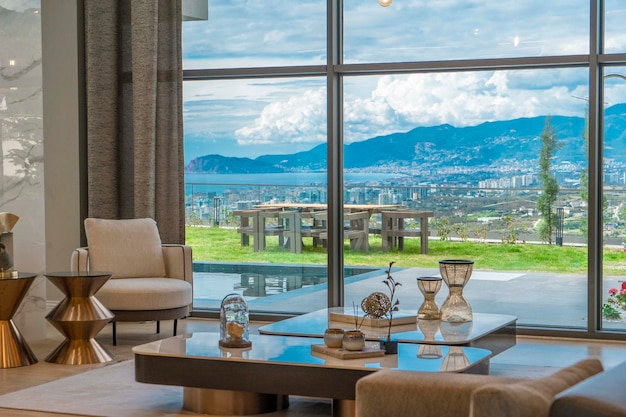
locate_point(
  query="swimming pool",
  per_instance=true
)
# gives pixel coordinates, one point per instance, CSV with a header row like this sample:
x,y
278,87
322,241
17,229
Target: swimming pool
x,y
266,287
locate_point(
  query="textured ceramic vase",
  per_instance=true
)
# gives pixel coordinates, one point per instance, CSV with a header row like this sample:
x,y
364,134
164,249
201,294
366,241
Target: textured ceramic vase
x,y
429,286
333,337
353,340
456,274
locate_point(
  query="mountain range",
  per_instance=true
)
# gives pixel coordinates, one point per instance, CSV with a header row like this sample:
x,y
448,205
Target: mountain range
x,y
490,144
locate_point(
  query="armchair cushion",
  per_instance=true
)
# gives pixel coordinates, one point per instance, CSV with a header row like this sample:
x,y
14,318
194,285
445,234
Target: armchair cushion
x,y
127,248
531,398
145,294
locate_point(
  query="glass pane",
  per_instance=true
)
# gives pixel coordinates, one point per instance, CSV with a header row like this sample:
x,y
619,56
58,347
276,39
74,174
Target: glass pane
x,y
614,210
615,41
460,29
257,33
463,151
255,153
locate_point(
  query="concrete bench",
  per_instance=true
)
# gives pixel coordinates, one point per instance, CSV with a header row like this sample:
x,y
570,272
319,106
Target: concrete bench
x,y
394,230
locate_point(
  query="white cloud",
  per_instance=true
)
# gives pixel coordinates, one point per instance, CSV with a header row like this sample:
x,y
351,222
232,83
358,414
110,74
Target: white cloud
x,y
274,36
400,103
459,99
299,119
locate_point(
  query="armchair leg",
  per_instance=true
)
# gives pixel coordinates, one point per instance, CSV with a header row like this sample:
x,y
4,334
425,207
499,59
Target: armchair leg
x,y
175,326
114,334
158,326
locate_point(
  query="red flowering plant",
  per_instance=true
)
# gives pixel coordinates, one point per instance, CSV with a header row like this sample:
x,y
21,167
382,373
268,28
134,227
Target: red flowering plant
x,y
615,304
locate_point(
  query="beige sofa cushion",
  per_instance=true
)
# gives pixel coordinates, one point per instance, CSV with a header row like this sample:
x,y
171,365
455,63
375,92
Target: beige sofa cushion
x,y
602,395
145,294
127,248
529,398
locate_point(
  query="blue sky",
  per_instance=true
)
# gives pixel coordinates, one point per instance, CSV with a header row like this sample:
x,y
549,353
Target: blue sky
x,y
254,117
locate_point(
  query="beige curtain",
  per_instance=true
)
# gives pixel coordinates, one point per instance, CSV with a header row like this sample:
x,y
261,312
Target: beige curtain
x,y
134,112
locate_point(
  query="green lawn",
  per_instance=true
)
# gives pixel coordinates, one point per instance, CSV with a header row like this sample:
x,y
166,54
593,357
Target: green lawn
x,y
223,245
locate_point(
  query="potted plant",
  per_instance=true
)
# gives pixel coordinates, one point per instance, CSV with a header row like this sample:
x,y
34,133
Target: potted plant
x,y
613,308
390,346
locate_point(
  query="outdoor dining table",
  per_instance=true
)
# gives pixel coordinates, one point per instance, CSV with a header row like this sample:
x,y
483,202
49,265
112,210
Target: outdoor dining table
x,y
291,215
372,208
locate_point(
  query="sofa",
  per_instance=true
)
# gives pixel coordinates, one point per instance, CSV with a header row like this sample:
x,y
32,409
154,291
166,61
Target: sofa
x,y
583,389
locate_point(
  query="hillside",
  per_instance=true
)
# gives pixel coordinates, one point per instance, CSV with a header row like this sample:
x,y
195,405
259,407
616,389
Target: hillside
x,y
488,144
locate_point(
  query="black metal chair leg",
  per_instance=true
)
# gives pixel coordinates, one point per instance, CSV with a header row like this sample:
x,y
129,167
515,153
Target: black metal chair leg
x,y
175,326
158,326
114,334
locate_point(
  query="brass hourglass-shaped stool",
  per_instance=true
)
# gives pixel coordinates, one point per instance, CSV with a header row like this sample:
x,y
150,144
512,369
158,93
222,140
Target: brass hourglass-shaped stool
x,y
429,286
79,316
14,351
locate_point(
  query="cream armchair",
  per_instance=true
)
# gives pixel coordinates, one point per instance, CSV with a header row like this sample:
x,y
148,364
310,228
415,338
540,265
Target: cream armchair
x,y
150,282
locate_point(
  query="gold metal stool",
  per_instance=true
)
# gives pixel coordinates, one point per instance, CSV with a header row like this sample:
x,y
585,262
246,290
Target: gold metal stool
x,y
14,351
79,317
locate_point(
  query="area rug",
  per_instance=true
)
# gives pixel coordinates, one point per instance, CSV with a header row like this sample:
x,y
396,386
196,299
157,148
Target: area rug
x,y
112,392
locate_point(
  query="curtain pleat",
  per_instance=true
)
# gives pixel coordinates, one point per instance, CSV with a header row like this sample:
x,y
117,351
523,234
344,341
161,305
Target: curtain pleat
x,y
134,112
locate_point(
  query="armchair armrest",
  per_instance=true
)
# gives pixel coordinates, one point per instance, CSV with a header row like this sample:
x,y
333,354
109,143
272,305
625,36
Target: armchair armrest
x,y
80,260
393,393
178,262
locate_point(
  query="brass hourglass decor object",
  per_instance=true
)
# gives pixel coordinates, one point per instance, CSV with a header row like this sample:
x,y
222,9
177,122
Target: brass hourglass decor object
x,y
429,286
456,274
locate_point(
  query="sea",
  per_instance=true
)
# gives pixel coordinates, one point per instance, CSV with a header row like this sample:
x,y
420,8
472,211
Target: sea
x,y
219,182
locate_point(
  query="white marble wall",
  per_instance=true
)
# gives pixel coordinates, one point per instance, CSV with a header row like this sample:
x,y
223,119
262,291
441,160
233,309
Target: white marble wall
x,y
21,151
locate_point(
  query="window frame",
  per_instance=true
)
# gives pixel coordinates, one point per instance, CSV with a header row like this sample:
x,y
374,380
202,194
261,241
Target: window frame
x,y
596,62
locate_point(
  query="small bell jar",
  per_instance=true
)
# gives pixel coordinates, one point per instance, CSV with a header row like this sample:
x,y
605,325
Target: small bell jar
x,y
234,321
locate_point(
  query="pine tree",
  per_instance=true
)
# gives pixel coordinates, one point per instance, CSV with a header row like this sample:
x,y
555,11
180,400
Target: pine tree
x,y
545,203
584,180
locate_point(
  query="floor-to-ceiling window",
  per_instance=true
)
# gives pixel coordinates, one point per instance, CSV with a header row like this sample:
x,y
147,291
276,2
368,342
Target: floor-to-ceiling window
x,y
442,107
255,135
613,209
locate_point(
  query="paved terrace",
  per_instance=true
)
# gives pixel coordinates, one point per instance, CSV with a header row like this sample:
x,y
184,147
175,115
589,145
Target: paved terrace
x,y
535,298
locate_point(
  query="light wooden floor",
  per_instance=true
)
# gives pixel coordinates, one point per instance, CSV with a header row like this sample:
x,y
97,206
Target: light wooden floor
x,y
530,358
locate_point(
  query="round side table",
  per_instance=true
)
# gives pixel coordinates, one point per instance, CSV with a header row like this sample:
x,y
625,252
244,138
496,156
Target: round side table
x,y
14,351
79,317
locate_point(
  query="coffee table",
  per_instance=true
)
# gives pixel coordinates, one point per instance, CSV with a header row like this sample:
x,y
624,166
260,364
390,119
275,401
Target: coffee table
x,y
495,332
238,381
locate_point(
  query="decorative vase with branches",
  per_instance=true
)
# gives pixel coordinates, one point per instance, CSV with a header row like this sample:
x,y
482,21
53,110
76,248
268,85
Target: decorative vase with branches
x,y
392,285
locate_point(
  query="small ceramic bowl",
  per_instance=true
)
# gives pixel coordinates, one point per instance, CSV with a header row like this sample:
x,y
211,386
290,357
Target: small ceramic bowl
x,y
333,338
353,340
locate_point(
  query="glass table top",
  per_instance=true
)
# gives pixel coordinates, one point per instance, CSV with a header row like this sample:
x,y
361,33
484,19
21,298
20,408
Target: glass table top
x,y
421,331
297,351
